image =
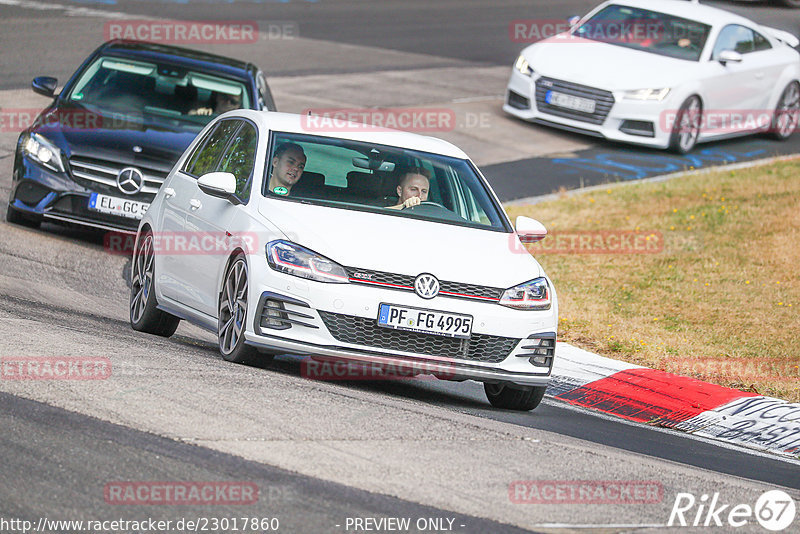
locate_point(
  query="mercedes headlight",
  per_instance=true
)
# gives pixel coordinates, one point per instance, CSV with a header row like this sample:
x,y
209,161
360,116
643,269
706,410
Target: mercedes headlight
x,y
293,259
522,66
43,152
647,94
533,295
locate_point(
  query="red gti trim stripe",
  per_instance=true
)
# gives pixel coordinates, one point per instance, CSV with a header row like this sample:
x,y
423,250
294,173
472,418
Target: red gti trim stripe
x,y
362,281
493,299
399,286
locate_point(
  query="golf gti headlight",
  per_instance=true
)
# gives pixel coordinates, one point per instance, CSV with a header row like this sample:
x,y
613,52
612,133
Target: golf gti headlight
x,y
647,94
289,258
523,66
43,152
533,295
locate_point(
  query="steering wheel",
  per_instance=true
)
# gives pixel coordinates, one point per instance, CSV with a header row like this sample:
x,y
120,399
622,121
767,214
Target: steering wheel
x,y
429,203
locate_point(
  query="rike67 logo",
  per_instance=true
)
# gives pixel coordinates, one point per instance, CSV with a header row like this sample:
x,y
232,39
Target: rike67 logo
x,y
774,510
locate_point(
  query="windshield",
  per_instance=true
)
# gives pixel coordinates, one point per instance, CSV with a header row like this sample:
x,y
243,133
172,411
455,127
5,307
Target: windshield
x,y
146,89
646,30
387,180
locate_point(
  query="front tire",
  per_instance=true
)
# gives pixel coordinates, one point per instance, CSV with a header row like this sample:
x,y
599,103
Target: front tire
x,y
686,129
522,398
232,316
787,112
144,313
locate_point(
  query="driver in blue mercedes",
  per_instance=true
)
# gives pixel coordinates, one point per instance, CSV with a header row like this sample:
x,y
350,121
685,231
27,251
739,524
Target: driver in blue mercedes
x,y
413,188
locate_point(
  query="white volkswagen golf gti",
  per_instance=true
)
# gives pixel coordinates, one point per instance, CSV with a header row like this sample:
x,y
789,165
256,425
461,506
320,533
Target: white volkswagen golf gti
x,y
379,248
661,73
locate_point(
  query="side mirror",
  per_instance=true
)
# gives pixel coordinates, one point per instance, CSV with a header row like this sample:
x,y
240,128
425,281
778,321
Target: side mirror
x,y
529,230
729,55
44,85
218,184
573,20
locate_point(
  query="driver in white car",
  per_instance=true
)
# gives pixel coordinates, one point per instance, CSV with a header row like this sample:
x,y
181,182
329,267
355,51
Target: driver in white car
x,y
413,188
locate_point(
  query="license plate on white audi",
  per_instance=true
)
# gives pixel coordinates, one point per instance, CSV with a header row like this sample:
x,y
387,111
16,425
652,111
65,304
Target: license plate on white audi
x,y
577,103
425,321
118,206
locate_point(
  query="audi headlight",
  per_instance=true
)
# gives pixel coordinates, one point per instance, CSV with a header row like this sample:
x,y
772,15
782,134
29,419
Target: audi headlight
x,y
43,152
647,94
533,295
289,258
523,66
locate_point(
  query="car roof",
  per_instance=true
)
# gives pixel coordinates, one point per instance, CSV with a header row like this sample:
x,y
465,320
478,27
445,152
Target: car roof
x,y
175,55
354,131
689,10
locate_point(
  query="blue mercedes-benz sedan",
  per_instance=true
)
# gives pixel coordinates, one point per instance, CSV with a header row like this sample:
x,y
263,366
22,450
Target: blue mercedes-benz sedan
x,y
96,156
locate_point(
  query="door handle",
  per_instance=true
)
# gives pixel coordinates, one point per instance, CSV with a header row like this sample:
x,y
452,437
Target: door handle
x,y
759,75
169,192
195,204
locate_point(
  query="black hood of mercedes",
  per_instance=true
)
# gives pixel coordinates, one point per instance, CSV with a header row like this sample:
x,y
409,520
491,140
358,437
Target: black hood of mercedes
x,y
149,141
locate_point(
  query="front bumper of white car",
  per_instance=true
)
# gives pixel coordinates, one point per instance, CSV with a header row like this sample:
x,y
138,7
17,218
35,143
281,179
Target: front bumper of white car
x,y
615,117
298,316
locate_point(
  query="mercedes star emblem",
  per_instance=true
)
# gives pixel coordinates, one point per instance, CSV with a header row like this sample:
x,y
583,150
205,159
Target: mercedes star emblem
x,y
130,180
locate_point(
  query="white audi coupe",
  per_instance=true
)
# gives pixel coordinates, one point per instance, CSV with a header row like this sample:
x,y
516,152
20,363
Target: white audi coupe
x,y
661,73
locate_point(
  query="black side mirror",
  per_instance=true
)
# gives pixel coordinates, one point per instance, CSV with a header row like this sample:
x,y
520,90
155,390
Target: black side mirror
x,y
44,85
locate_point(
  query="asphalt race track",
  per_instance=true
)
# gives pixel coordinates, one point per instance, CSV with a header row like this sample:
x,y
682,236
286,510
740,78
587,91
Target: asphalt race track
x,y
608,163
322,454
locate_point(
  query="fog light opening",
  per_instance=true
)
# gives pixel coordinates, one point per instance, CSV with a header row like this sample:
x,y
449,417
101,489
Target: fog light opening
x,y
540,361
274,317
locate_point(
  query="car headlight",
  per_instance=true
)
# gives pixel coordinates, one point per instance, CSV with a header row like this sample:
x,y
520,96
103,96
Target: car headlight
x,y
533,295
293,259
523,66
43,152
647,94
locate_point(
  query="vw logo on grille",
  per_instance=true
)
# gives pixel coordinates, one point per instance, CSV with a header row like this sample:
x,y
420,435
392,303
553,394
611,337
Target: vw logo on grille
x,y
130,180
426,286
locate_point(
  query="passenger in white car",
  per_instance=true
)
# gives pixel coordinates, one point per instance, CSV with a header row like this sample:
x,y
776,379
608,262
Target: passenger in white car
x,y
288,163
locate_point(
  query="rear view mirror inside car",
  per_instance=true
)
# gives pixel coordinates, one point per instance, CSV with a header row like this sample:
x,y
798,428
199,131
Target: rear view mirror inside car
x,y
373,164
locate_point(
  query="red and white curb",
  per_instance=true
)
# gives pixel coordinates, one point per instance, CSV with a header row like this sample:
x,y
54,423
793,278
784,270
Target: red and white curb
x,y
668,400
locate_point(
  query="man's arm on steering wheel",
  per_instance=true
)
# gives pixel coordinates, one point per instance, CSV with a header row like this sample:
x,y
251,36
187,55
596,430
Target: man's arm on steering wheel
x,y
409,203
